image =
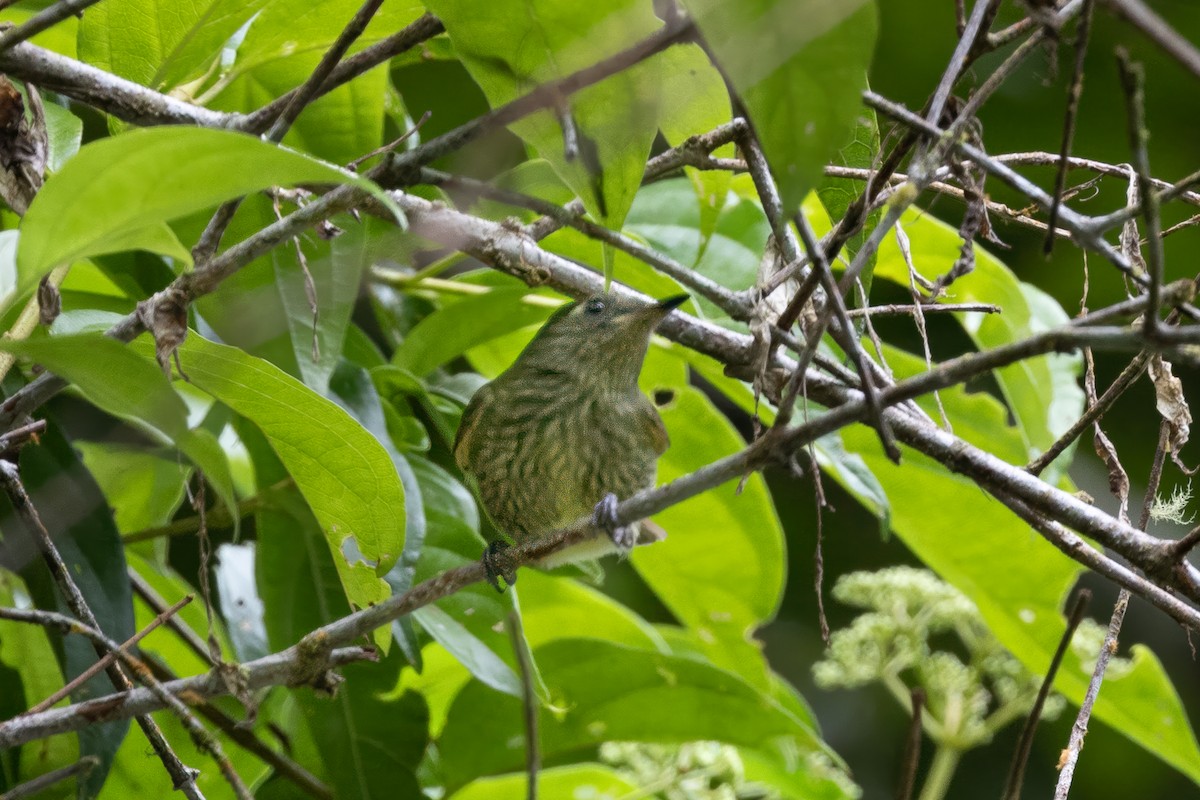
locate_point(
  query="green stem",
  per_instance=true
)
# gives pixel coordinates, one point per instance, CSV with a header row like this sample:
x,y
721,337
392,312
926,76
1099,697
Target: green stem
x,y
941,772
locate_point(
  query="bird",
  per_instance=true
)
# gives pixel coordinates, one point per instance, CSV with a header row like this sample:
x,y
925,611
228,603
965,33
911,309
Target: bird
x,y
565,431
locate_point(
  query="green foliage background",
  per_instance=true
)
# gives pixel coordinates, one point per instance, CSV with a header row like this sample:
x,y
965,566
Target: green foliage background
x,y
341,425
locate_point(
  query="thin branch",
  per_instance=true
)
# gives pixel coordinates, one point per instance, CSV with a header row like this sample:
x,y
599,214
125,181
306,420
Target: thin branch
x,y
310,89
907,310
80,768
183,778
109,657
1133,82
1016,773
912,748
1157,30
1133,370
1070,755
420,30
1068,134
102,90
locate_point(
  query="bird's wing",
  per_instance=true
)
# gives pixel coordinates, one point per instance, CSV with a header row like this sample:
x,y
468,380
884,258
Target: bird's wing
x,y
652,424
467,426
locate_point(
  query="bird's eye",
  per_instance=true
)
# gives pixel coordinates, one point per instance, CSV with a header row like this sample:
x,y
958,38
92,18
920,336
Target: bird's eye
x,y
594,306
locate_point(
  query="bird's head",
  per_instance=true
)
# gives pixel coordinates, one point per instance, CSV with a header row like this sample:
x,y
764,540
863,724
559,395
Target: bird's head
x,y
600,338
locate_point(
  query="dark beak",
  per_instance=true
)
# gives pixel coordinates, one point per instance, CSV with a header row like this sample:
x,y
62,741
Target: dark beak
x,y
673,302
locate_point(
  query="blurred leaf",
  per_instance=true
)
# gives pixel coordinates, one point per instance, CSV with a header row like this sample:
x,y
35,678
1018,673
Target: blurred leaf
x,y
370,743
580,780
141,486
64,132
695,101
114,191
512,46
160,45
452,330
603,691
801,83
241,607
89,545
129,386
722,599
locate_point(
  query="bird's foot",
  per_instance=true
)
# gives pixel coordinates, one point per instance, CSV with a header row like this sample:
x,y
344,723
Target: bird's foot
x,y
497,565
604,516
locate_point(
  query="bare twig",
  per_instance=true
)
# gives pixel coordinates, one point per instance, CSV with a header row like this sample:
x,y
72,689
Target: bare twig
x,y
912,748
1068,133
1070,756
1156,29
529,701
109,657
183,778
36,786
1016,773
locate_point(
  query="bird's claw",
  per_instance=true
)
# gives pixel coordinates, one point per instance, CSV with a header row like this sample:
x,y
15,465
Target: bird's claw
x,y
604,516
497,566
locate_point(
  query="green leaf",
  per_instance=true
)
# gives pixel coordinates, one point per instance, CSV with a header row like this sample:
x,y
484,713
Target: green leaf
x,y
58,38
345,475
452,330
603,691
160,45
801,83
578,780
514,45
129,386
738,594
115,189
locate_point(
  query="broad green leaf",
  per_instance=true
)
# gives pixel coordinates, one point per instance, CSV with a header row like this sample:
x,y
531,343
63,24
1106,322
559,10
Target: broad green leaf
x,y
345,475
604,691
739,594
592,781
127,385
511,46
117,186
160,45
457,327
800,67
1042,392
90,546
